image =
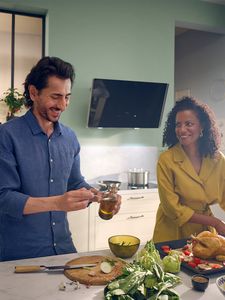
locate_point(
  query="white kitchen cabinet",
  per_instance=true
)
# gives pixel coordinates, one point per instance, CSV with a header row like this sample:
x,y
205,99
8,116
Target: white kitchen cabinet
x,y
78,223
136,217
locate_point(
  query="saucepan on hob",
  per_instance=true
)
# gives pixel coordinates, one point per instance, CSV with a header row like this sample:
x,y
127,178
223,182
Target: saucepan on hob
x,y
138,177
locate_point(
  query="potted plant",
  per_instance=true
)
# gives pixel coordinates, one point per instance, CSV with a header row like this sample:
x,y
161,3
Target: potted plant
x,y
14,100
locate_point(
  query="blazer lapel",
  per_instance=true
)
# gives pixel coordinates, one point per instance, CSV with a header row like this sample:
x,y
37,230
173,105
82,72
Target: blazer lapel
x,y
182,160
208,165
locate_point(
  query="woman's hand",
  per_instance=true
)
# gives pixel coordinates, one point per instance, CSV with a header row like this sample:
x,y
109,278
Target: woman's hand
x,y
209,221
220,227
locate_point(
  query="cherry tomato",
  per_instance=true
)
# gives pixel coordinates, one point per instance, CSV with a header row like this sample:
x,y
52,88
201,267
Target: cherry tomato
x,y
165,247
192,264
196,260
215,266
166,251
185,247
187,252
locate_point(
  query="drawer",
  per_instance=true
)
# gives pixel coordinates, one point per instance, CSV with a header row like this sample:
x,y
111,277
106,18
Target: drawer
x,y
138,224
132,203
139,202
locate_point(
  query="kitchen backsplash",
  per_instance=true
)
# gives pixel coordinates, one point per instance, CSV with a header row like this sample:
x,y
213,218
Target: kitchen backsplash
x,y
113,162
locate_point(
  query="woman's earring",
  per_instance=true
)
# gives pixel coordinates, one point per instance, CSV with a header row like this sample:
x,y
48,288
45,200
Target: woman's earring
x,y
201,134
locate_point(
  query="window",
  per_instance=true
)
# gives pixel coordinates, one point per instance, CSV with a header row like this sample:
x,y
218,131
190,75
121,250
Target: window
x,y
22,39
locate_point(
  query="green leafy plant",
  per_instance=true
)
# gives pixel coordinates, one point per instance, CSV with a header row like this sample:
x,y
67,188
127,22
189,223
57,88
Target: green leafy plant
x,y
144,279
13,99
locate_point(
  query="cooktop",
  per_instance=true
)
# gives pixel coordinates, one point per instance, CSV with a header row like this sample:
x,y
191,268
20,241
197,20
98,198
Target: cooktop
x,y
126,186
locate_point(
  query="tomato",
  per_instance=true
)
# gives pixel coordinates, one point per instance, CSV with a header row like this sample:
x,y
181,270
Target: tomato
x,y
196,260
186,252
166,251
215,266
165,247
192,264
185,247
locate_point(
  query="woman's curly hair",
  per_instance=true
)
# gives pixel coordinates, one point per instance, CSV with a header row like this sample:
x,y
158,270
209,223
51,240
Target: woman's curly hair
x,y
210,141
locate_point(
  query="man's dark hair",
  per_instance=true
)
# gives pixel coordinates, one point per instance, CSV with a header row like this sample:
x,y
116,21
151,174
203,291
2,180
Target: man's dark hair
x,y
45,68
210,141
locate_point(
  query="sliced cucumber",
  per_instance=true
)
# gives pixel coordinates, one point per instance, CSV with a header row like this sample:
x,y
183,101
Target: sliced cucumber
x,y
106,267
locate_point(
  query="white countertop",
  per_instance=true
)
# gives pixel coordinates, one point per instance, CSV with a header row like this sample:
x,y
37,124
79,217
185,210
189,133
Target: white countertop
x,y
44,286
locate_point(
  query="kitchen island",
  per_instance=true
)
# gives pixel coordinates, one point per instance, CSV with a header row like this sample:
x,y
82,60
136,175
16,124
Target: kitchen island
x,y
45,285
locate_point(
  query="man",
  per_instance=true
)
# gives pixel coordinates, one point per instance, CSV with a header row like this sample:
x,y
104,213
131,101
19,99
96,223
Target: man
x,y
40,169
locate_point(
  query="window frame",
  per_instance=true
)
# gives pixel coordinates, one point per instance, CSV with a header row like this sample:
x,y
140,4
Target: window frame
x,y
13,14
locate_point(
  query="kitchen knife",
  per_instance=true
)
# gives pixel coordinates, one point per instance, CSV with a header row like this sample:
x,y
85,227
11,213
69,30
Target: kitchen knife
x,y
29,269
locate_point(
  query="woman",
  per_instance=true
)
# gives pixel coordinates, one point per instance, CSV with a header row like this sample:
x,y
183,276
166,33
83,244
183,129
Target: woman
x,y
191,173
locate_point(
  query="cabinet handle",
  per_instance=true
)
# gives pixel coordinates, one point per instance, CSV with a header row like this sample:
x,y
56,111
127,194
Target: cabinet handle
x,y
133,198
135,217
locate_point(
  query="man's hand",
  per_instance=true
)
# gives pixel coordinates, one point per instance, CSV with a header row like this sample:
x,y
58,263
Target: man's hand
x,y
76,200
117,205
98,195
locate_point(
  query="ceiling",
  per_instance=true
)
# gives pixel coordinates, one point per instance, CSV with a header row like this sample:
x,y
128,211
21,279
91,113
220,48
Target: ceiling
x,y
179,30
182,29
215,1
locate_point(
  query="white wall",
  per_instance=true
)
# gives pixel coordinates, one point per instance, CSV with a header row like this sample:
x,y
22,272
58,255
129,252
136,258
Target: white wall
x,y
200,68
112,163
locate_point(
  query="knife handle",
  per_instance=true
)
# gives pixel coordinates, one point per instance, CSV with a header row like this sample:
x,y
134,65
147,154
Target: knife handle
x,y
27,269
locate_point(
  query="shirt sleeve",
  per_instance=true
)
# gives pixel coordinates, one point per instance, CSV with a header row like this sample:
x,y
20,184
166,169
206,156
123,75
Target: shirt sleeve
x,y
76,180
169,199
12,201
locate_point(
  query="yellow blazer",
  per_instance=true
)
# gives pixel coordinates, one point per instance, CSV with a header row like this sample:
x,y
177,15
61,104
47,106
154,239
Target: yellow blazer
x,y
182,192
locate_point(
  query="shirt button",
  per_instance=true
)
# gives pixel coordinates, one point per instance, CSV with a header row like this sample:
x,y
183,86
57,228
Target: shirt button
x,y
49,140
51,180
54,244
51,160
53,223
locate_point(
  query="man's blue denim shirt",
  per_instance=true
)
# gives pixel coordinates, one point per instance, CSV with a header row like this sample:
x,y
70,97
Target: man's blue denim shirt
x,y
31,164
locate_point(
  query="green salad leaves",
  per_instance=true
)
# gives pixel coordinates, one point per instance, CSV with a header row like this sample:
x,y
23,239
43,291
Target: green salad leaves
x,y
171,262
144,279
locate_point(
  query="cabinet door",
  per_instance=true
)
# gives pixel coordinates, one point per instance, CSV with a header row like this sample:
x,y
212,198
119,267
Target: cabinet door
x,y
78,223
136,217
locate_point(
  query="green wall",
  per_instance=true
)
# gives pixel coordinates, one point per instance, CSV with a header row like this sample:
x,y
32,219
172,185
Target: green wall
x,y
118,39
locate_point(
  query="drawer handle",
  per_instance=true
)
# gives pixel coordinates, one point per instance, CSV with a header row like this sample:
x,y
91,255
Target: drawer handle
x,y
135,217
133,198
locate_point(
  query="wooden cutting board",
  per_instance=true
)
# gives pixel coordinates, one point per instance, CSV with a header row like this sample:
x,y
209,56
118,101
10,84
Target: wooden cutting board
x,y
94,275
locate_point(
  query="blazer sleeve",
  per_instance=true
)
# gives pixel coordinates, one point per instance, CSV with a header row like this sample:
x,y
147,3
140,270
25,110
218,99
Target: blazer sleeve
x,y
221,179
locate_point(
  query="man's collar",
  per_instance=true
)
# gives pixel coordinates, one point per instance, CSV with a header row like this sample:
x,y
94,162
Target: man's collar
x,y
35,127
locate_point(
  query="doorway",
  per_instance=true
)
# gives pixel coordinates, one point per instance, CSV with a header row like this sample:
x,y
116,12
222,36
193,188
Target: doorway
x,y
200,69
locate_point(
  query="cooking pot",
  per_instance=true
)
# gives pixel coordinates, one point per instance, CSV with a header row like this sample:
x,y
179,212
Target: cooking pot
x,y
138,177
105,184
